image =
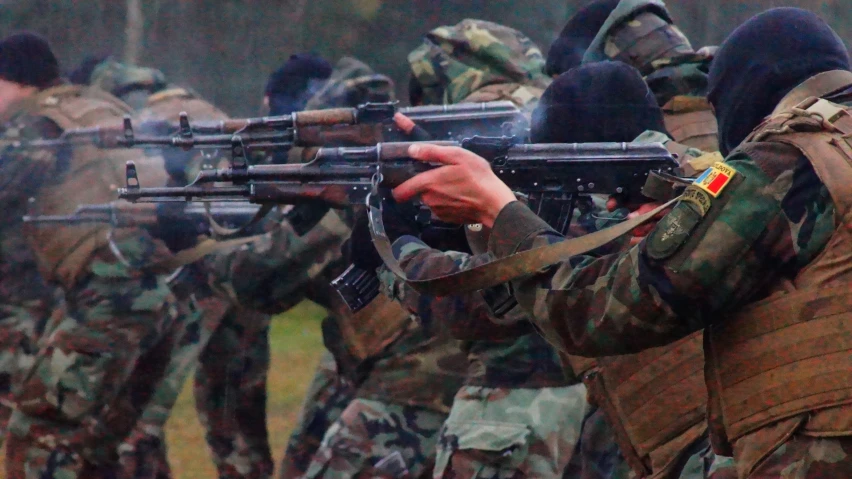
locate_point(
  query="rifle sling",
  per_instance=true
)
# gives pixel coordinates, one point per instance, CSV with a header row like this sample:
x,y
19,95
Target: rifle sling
x,y
191,255
502,270
224,232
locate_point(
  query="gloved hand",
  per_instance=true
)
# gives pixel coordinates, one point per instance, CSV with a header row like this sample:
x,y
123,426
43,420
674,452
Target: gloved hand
x,y
399,220
174,228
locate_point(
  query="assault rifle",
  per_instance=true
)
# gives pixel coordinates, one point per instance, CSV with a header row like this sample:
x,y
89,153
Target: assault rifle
x,y
365,125
128,215
552,177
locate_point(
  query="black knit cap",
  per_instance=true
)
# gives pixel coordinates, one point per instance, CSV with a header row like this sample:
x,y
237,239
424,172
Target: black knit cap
x,y
26,59
596,102
567,51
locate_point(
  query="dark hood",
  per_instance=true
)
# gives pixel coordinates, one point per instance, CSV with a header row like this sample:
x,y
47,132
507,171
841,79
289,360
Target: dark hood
x,y
597,102
761,61
568,49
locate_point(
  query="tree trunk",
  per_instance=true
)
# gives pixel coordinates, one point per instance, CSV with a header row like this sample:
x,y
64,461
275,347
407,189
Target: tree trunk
x,y
133,32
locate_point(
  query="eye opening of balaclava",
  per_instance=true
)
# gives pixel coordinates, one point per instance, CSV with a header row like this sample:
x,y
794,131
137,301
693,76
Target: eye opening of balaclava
x,y
596,102
761,61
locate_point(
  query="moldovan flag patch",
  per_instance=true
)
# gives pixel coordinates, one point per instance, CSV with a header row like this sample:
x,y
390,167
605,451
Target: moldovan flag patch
x,y
716,179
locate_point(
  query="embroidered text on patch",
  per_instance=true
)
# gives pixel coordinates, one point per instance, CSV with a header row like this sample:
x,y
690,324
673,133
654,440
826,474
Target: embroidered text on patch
x,y
716,179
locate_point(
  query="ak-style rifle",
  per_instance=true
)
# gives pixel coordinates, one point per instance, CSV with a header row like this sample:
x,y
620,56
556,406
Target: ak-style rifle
x,y
121,214
365,125
552,177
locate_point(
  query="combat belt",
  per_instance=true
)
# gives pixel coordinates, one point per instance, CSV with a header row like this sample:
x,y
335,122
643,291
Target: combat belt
x,y
786,361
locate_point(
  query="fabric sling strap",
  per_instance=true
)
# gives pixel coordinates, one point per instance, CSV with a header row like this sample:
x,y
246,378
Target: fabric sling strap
x,y
505,269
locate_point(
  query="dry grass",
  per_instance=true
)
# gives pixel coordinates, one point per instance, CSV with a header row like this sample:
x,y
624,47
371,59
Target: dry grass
x,y
295,342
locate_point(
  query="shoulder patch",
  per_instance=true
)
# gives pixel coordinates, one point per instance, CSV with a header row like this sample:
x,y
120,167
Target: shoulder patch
x,y
673,230
699,198
716,179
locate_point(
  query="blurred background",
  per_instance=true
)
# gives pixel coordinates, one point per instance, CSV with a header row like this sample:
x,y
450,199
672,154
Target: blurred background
x,y
225,49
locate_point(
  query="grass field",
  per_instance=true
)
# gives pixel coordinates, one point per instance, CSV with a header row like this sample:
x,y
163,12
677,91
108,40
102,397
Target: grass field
x,y
295,342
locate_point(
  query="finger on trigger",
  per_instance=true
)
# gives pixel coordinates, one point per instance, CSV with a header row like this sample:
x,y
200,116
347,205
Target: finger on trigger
x,y
416,185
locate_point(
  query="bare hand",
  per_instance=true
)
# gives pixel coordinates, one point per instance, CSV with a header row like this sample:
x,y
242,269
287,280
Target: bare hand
x,y
639,233
463,191
404,123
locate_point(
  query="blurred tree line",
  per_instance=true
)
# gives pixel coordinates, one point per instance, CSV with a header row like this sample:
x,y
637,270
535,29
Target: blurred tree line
x,y
225,49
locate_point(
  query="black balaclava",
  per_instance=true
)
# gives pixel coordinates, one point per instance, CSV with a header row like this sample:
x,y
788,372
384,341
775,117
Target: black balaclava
x,y
596,102
26,59
761,61
290,87
567,51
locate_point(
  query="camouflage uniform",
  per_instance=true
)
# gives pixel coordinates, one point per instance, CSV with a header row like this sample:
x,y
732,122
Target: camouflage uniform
x,y
641,33
81,397
519,413
133,84
772,216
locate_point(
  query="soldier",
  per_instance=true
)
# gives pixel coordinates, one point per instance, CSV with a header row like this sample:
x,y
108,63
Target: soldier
x,y
132,84
519,412
26,66
219,336
756,251
642,34
75,404
352,83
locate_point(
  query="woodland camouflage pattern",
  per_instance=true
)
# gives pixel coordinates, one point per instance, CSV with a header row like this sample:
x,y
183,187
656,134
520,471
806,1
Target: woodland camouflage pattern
x,y
352,83
455,61
27,300
369,432
119,78
327,397
511,433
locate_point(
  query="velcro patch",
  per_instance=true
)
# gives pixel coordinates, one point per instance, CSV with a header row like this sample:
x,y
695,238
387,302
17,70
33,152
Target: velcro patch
x,y
699,198
716,179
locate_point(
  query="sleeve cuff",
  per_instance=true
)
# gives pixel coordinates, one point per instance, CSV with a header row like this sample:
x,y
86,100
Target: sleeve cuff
x,y
514,225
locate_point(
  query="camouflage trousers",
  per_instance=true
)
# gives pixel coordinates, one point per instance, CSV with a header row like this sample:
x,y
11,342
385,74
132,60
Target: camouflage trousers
x,y
373,439
597,456
17,354
804,457
85,391
142,454
230,395
511,433
326,398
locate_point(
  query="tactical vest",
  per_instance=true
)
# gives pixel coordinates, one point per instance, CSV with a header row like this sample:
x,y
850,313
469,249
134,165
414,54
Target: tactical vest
x,y
786,361
91,176
169,104
690,121
655,402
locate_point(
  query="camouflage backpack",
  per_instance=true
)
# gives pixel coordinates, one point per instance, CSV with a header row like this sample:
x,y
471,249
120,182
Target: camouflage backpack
x,y
455,62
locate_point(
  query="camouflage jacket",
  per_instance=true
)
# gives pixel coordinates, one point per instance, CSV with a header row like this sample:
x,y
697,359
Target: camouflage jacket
x,y
504,350
767,220
456,61
25,294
